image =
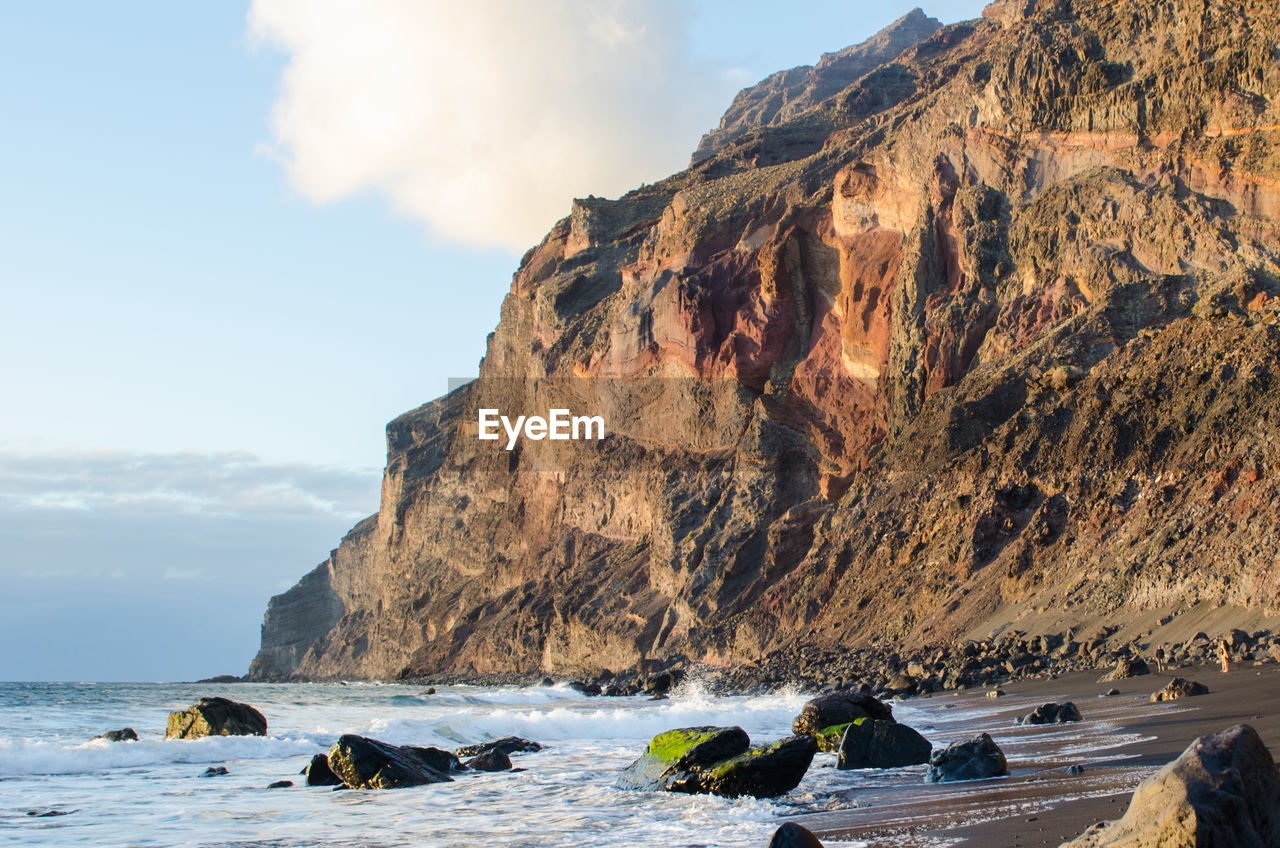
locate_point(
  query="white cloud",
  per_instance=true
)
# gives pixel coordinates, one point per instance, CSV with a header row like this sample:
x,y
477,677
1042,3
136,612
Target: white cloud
x,y
120,483
485,118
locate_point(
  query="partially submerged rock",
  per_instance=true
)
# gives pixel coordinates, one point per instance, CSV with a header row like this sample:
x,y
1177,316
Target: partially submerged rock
x,y
363,763
1052,714
216,717
1180,687
1224,790
837,708
318,772
491,760
673,756
869,743
828,738
215,771
506,744
720,761
974,759
126,734
792,835
762,772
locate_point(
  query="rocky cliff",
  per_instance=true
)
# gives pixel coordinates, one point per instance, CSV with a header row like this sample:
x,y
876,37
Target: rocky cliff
x,y
980,331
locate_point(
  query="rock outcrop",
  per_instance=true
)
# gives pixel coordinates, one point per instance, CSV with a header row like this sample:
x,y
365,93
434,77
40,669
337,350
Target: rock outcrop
x,y
363,763
868,743
720,761
974,759
990,331
837,709
1223,790
1051,714
1179,687
215,717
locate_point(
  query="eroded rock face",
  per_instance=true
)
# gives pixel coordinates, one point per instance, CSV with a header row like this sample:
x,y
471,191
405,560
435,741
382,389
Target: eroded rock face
x,y
993,327
1223,790
363,763
216,717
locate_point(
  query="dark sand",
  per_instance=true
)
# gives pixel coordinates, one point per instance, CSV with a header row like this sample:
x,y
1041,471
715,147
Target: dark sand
x,y
1040,803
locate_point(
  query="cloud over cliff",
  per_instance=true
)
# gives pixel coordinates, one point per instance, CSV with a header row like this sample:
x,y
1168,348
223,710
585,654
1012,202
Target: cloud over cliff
x,y
483,119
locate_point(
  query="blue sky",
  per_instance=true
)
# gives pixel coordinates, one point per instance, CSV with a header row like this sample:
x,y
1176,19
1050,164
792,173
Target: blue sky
x,y
210,311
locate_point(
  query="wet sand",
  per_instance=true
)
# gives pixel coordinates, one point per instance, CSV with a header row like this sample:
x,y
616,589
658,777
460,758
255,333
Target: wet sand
x,y
1122,740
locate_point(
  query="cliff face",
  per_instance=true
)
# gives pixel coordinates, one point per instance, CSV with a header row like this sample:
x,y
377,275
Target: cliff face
x,y
985,332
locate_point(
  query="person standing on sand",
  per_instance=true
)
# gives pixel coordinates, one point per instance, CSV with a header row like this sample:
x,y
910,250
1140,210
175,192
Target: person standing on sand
x,y
1160,659
1224,655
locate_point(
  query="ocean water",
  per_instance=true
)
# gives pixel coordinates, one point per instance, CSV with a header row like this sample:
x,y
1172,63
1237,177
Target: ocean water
x,y
151,792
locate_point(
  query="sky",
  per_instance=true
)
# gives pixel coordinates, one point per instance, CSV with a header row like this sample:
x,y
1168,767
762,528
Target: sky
x,y
238,238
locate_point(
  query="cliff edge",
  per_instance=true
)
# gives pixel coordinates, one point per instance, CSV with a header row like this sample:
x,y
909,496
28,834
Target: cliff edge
x,y
969,325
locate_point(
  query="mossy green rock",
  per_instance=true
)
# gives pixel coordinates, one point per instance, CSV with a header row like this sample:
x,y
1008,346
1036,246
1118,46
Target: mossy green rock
x,y
763,772
868,743
675,754
719,761
829,737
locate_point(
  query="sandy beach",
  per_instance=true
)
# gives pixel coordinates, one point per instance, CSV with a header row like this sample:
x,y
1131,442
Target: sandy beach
x,y
1040,802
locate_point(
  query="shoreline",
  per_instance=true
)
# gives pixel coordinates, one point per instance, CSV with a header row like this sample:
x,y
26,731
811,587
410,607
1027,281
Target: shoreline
x,y
1040,804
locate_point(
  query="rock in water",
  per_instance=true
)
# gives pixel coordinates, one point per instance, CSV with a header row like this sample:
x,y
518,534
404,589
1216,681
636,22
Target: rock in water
x,y
215,771
792,835
1180,687
491,760
868,743
764,772
1223,791
318,772
216,717
972,760
363,763
672,757
828,711
1125,668
280,784
720,761
1052,714
127,734
506,744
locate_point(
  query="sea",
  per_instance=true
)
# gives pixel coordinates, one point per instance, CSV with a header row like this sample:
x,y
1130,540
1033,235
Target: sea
x,y
59,786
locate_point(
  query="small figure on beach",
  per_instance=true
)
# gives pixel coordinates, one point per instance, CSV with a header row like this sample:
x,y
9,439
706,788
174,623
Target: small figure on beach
x,y
1224,655
1160,659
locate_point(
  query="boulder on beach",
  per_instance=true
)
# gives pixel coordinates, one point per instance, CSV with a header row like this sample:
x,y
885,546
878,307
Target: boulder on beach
x,y
1223,790
792,835
318,772
868,743
126,734
1052,714
720,761
363,763
215,717
491,760
1180,687
837,708
974,759
506,744
1126,667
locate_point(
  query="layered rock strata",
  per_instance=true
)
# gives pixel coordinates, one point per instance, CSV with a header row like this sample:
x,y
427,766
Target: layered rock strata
x,y
986,333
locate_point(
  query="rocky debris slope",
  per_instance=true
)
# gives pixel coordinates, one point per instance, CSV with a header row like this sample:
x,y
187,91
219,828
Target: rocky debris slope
x,y
987,340
1223,790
